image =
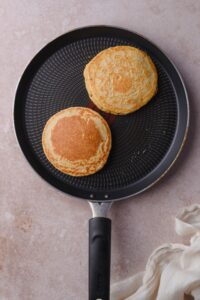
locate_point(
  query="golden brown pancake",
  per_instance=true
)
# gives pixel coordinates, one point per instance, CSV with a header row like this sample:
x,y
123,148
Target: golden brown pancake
x,y
77,141
121,79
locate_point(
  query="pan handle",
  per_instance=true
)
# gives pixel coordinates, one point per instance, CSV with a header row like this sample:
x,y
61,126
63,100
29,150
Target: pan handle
x,y
99,258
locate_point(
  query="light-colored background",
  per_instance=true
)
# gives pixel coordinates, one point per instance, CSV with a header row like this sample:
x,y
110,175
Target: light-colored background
x,y
43,233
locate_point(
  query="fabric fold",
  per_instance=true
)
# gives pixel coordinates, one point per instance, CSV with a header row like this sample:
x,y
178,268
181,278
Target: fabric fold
x,y
173,270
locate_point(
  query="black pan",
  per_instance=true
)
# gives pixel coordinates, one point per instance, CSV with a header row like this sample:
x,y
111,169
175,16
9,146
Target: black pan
x,y
145,143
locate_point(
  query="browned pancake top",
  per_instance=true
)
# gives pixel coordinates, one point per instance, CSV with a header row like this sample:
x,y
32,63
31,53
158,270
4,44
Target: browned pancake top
x,y
75,138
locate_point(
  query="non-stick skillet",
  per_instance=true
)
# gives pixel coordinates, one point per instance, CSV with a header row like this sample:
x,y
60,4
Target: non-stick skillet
x,y
145,143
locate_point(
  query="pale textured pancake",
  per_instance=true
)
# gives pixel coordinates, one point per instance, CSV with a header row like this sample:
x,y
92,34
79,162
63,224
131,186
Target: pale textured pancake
x,y
121,79
77,141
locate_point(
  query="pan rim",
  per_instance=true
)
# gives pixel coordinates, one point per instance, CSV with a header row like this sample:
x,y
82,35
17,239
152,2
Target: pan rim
x,y
180,146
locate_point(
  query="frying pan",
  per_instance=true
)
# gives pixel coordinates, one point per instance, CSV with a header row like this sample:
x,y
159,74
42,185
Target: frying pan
x,y
145,143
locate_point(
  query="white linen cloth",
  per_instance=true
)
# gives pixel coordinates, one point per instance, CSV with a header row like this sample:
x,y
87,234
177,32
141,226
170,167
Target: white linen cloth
x,y
172,270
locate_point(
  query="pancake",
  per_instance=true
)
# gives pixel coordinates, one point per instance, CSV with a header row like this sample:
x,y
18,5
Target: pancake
x,y
77,141
121,79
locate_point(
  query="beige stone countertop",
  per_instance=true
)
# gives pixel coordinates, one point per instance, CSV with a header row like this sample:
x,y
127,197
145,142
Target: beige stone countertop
x,y
43,232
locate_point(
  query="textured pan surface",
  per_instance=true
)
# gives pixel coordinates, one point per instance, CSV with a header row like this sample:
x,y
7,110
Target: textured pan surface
x,y
145,143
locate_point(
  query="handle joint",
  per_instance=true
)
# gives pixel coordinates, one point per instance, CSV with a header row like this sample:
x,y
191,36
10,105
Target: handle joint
x,y
100,209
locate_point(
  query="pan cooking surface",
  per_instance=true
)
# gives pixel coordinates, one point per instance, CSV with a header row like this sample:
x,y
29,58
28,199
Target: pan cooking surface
x,y
141,140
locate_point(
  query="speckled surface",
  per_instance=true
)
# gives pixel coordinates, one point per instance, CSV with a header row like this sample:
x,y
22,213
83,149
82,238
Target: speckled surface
x,y
43,233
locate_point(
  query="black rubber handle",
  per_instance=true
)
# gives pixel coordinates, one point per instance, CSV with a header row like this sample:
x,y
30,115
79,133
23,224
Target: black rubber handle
x,y
99,258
